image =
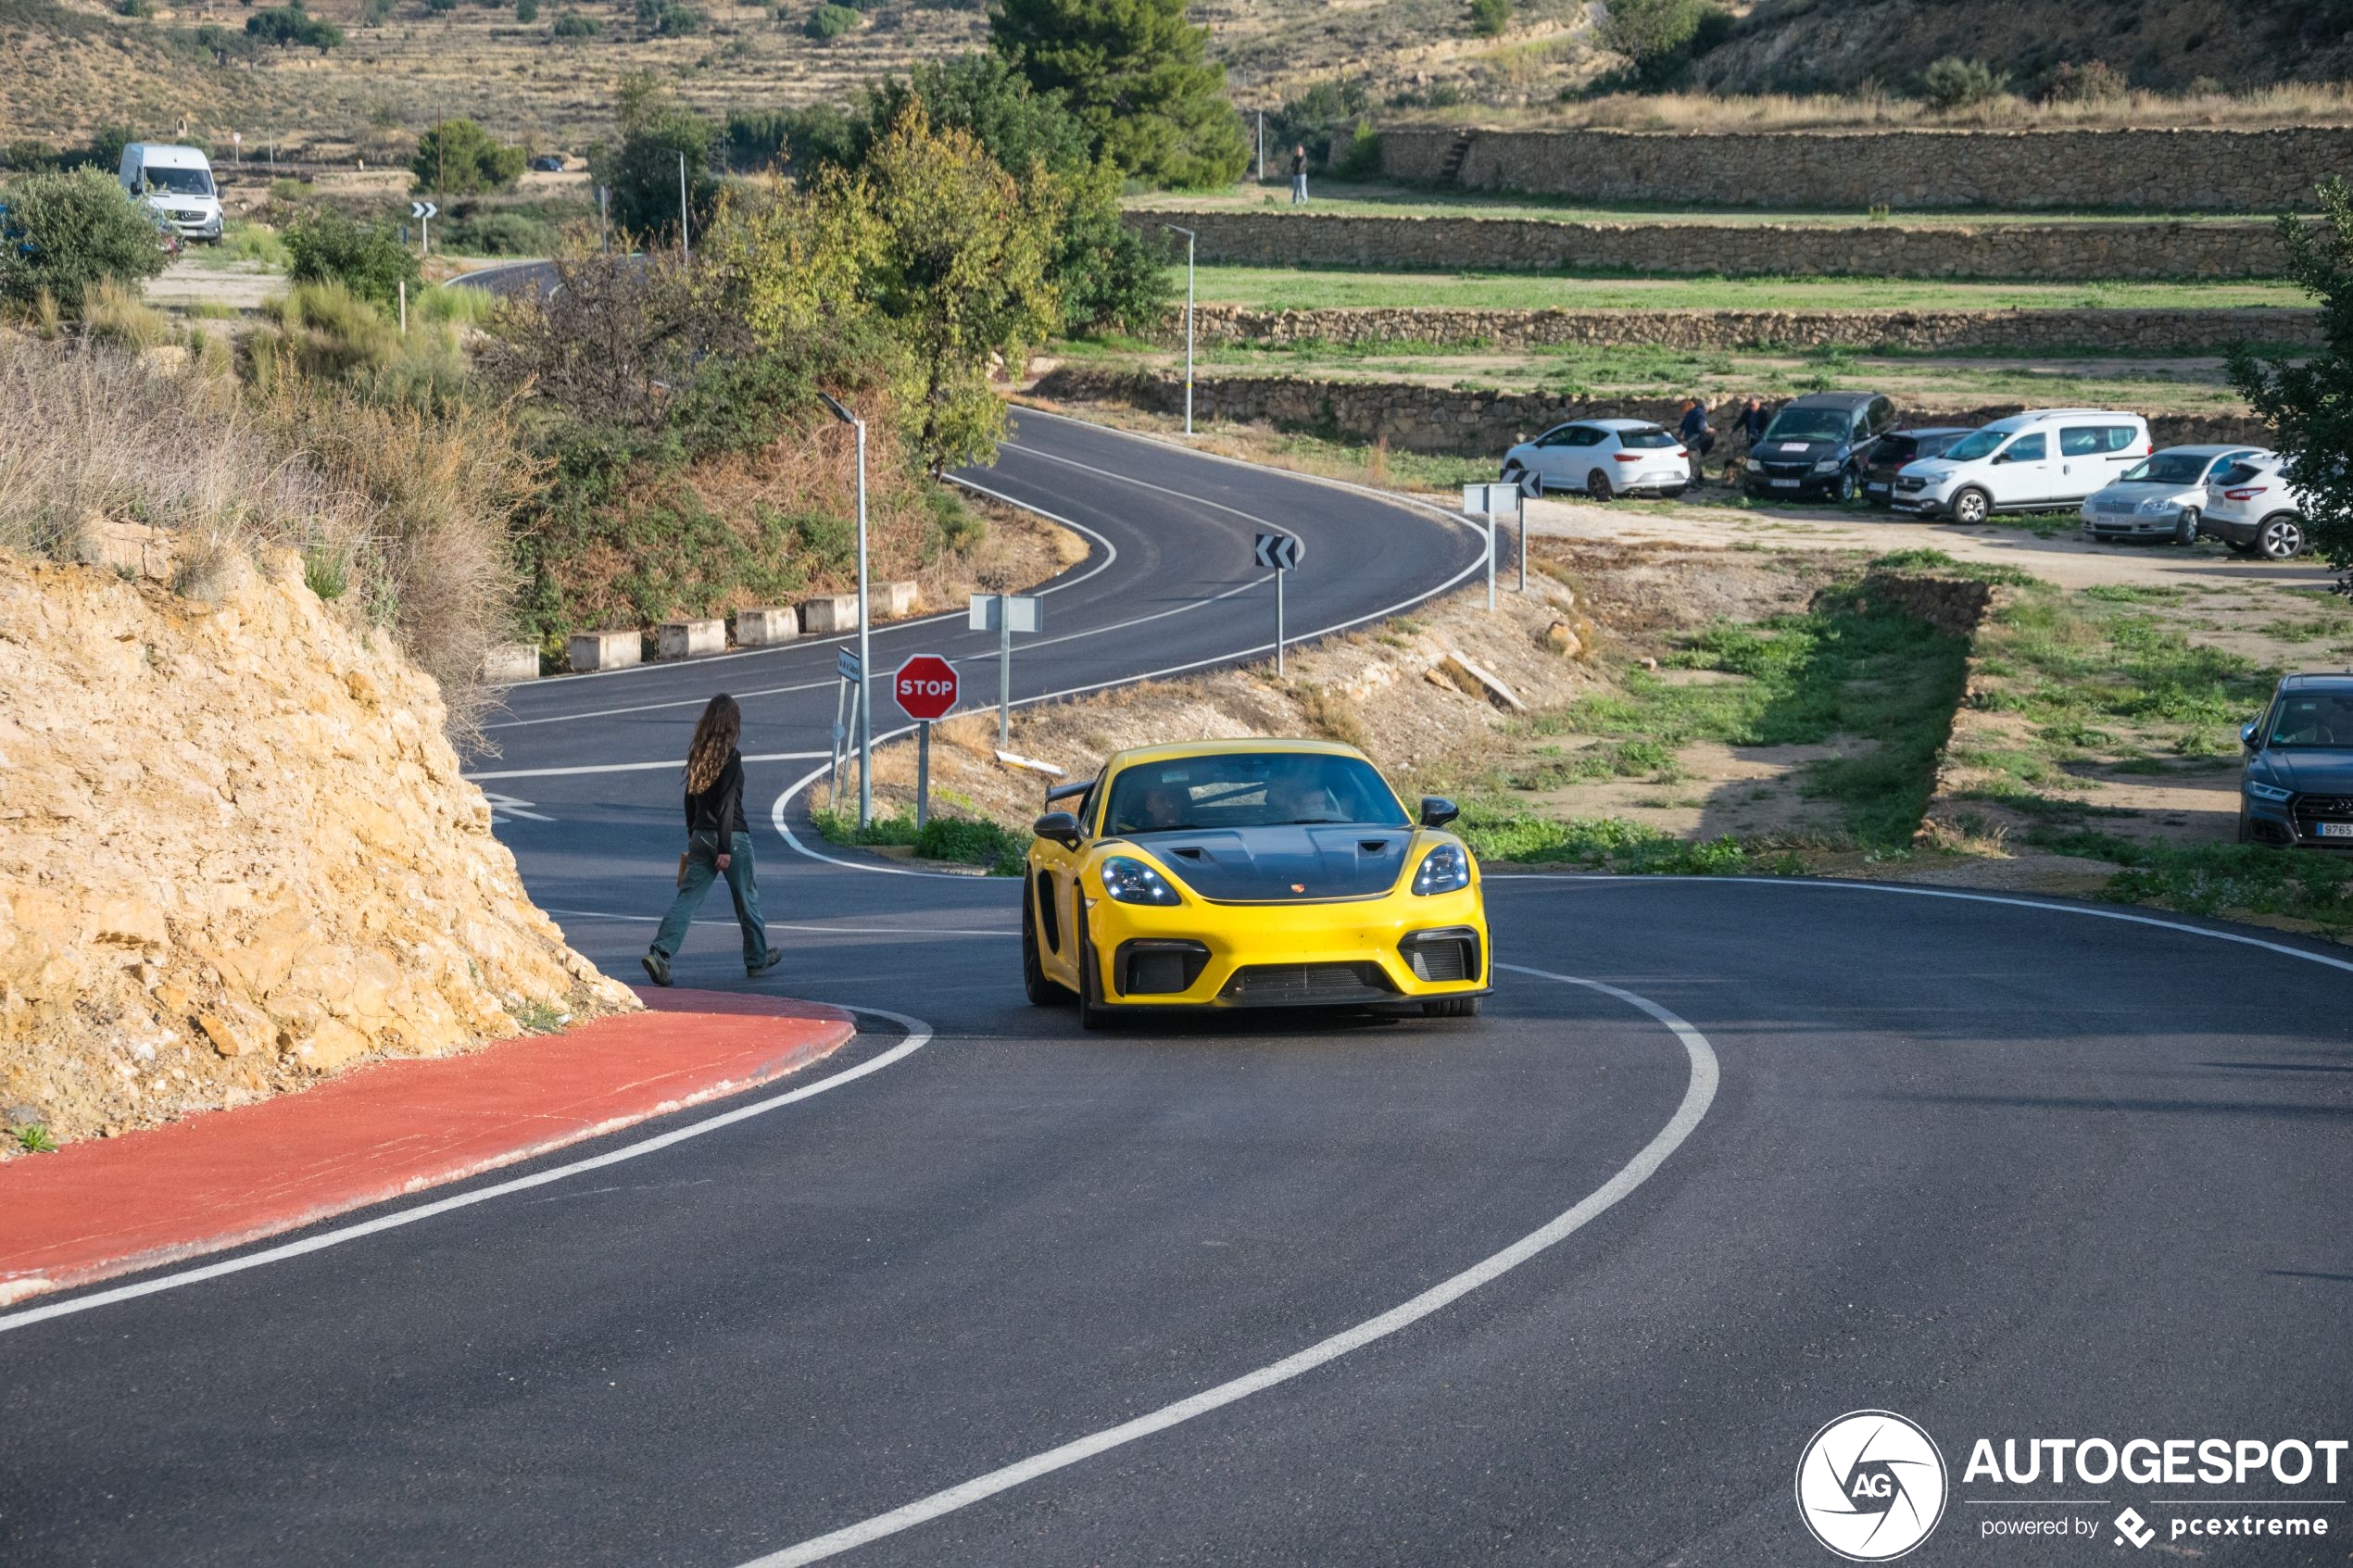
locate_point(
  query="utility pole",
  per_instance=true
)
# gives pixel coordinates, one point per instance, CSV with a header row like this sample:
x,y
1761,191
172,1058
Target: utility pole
x,y
686,252
1262,146
1188,323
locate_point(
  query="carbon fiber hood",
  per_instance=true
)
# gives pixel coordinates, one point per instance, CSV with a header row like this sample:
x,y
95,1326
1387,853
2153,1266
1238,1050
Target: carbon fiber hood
x,y
1284,864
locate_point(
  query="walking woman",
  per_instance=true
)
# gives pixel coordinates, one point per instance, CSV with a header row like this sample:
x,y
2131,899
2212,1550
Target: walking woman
x,y
718,843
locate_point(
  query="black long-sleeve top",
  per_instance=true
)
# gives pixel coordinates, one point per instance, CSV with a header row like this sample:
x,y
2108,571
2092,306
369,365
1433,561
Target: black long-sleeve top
x,y
717,813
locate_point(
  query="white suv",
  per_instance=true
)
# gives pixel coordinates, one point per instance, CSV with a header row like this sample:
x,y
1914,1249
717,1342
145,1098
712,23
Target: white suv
x,y
2030,462
1602,458
2252,507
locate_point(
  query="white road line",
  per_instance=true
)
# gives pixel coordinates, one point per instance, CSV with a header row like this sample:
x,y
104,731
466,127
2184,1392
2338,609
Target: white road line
x,y
679,762
1827,885
918,1033
652,707
1697,1093
788,926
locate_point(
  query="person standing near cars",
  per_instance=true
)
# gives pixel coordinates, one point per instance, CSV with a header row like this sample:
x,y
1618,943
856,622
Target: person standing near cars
x,y
718,843
1753,423
1299,176
1696,435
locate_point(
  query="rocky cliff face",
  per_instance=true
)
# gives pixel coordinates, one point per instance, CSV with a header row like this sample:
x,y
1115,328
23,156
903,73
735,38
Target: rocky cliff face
x,y
236,855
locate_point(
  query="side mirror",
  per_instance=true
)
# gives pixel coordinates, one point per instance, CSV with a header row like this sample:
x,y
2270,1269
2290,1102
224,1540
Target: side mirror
x,y
2001,456
2250,735
1059,826
1436,810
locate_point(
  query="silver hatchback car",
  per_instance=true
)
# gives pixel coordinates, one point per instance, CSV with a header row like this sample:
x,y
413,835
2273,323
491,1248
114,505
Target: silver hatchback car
x,y
2160,496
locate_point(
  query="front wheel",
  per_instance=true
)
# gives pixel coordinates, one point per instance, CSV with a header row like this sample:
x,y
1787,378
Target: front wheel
x,y
1597,486
1847,489
2185,527
2282,539
1451,1007
1971,507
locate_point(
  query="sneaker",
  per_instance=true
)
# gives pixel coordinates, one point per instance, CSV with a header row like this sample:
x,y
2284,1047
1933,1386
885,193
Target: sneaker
x,y
754,970
657,967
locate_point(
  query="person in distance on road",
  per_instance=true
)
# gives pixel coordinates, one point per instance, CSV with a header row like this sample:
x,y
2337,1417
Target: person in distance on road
x,y
718,843
1298,176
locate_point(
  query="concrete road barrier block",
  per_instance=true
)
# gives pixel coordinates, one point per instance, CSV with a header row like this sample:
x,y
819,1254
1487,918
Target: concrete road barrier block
x,y
836,613
607,650
895,599
509,662
684,639
764,628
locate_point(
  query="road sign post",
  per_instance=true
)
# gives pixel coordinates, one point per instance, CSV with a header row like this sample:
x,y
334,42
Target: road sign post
x,y
846,670
424,213
924,689
1519,532
1280,554
1483,501
1004,614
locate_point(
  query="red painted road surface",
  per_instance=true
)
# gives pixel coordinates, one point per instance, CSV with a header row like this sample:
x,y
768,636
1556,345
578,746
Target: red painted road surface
x,y
108,1206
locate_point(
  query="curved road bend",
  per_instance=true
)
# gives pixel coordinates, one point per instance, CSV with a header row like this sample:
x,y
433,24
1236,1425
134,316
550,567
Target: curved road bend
x,y
2009,1167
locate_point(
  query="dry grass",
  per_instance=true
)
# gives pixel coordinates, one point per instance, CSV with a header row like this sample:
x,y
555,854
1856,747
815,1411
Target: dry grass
x,y
1873,108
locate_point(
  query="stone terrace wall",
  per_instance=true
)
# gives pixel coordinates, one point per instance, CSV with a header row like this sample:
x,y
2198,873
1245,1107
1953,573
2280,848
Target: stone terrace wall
x,y
2165,331
1432,419
2057,252
2160,171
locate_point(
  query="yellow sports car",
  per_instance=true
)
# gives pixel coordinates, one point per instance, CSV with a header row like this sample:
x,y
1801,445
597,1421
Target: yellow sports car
x,y
1249,873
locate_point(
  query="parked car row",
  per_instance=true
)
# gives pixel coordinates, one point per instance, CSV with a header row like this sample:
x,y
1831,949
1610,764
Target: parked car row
x,y
1848,446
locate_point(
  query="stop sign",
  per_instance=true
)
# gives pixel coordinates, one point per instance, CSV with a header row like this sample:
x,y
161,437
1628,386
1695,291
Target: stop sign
x,y
926,686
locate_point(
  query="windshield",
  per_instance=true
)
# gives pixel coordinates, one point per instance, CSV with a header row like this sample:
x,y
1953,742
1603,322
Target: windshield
x,y
2313,719
1809,424
1977,443
1249,789
1645,440
2168,467
176,181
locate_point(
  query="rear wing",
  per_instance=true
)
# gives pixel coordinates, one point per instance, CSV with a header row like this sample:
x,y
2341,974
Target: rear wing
x,y
1065,792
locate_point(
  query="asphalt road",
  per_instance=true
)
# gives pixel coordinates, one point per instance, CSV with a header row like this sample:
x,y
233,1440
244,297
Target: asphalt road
x,y
1571,1283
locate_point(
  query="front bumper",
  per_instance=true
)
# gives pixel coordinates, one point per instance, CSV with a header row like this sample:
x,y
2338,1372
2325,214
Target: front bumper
x,y
1360,953
1923,503
2305,822
2132,525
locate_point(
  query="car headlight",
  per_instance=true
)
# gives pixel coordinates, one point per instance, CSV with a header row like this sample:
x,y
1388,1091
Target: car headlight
x,y
1132,881
2157,504
2262,790
1444,869
1827,465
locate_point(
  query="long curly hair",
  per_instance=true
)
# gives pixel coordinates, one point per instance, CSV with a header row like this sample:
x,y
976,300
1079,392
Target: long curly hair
x,y
715,735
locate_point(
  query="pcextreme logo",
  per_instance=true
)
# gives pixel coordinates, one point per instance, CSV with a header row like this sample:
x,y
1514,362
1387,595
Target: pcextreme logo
x,y
1871,1485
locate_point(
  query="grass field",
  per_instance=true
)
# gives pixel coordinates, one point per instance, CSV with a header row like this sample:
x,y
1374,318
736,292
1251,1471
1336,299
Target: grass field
x,y
1272,288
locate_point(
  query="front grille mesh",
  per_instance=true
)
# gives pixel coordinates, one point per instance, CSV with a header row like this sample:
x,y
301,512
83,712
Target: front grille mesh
x,y
1329,983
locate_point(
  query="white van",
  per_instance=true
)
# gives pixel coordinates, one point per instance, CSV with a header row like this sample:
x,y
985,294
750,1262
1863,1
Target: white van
x,y
176,182
2030,462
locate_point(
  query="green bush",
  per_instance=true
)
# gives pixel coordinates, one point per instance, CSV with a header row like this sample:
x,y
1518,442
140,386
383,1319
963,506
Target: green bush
x,y
668,18
30,157
1953,83
642,172
135,7
286,26
1657,37
526,10
1361,158
2094,81
325,246
1489,18
829,21
460,158
64,233
572,24
496,233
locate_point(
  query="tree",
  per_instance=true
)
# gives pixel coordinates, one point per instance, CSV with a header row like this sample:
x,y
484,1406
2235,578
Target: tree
x,y
1489,18
829,23
1658,36
325,246
1953,83
1138,75
460,158
573,24
289,25
2308,400
642,172
526,10
63,232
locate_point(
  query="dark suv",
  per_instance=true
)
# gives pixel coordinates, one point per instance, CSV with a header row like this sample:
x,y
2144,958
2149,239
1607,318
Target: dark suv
x,y
1816,442
1892,451
2298,785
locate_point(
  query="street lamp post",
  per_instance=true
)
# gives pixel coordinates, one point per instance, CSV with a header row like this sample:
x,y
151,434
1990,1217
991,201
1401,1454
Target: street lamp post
x,y
865,628
687,252
1188,323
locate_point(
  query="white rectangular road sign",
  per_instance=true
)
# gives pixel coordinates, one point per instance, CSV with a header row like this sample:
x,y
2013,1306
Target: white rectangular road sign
x,y
846,664
1488,500
1005,612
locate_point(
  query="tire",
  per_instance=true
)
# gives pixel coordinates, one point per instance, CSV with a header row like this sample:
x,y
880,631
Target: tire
x,y
2246,834
1042,992
1451,1007
1093,1014
1847,488
1972,507
2281,537
1597,486
2185,527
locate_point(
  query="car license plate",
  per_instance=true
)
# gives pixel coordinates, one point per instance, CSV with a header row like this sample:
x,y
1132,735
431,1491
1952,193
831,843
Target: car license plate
x,y
1782,484
2335,830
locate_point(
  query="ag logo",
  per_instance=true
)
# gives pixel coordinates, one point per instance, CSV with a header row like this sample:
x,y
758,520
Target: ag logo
x,y
1871,1485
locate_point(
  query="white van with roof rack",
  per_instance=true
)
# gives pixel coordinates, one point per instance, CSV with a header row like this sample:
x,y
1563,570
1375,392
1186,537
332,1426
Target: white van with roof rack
x,y
176,183
2031,462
